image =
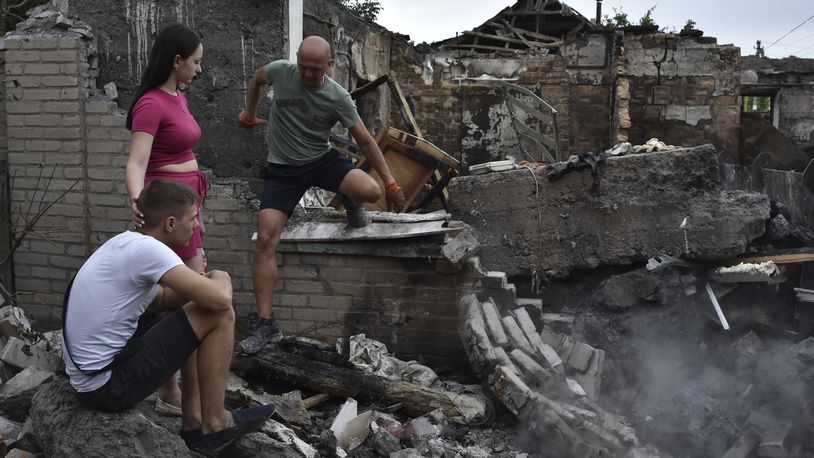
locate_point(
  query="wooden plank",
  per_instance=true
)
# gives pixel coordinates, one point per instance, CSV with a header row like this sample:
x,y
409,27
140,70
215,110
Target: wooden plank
x,y
399,96
316,231
504,39
777,259
325,214
358,92
517,33
529,33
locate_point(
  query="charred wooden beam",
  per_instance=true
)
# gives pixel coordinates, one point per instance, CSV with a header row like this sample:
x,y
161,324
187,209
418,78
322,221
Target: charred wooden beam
x,y
341,381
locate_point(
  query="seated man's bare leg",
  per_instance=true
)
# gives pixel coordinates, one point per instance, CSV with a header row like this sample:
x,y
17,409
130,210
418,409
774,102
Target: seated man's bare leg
x,y
191,395
215,330
169,391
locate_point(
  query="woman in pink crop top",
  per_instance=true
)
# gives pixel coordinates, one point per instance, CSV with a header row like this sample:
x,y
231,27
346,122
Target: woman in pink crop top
x,y
163,134
163,129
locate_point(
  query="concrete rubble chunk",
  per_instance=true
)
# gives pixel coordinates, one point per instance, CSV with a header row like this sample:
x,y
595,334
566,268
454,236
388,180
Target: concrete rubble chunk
x,y
10,430
66,428
16,394
527,325
591,379
282,433
509,388
493,324
20,354
19,453
580,356
516,335
606,224
558,322
111,91
12,321
553,339
460,245
535,373
775,434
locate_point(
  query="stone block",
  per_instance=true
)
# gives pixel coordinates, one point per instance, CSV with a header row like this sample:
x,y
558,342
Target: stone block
x,y
580,356
516,336
494,324
16,394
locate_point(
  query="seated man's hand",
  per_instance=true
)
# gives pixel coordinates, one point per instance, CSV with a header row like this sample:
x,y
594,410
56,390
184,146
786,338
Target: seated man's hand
x,y
247,123
395,197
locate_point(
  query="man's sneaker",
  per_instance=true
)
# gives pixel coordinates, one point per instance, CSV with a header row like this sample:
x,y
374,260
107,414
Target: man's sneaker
x,y
263,331
191,437
357,216
246,421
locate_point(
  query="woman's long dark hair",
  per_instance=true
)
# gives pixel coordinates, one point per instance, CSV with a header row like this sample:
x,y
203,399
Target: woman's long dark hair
x,y
176,39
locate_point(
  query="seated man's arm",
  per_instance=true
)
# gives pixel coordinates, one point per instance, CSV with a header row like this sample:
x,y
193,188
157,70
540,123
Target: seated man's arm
x,y
181,284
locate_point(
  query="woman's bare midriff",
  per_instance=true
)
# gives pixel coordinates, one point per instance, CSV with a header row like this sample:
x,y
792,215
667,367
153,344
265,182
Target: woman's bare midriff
x,y
188,166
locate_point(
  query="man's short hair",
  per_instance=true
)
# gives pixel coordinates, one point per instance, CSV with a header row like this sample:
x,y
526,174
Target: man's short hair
x,y
163,198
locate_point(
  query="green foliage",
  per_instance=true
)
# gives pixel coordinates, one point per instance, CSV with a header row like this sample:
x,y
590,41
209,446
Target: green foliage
x,y
647,19
365,9
619,19
689,25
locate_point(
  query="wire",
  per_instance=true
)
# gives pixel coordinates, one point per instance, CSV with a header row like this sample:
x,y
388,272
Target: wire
x,y
789,32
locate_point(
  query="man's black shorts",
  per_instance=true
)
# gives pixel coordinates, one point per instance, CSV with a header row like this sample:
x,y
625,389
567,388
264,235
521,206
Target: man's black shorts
x,y
286,184
158,354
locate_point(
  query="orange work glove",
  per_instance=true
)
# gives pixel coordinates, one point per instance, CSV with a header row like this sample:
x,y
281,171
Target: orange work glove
x,y
246,124
395,197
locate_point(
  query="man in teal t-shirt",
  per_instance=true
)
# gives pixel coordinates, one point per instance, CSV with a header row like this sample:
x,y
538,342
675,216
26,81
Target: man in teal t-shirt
x,y
304,108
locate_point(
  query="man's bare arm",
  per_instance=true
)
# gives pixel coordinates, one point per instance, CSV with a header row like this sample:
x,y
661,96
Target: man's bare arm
x,y
257,86
181,284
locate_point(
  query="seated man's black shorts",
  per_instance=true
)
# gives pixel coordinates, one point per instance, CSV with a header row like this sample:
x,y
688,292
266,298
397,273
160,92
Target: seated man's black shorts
x,y
155,357
286,184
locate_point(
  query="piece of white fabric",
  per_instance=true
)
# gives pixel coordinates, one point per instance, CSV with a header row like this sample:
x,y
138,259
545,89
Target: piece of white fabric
x,y
110,292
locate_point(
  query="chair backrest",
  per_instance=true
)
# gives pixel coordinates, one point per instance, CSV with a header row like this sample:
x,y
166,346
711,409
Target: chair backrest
x,y
535,123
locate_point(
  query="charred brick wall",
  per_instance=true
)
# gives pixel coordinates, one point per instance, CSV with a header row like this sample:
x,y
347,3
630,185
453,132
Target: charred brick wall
x,y
683,91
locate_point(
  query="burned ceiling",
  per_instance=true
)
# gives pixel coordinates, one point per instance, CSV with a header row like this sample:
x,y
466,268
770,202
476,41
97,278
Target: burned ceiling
x,y
536,26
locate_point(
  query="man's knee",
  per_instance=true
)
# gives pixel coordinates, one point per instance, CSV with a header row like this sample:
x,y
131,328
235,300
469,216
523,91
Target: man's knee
x,y
360,187
267,242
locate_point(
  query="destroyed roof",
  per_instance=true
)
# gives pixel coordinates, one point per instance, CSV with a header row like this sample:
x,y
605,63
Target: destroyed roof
x,y
527,25
767,65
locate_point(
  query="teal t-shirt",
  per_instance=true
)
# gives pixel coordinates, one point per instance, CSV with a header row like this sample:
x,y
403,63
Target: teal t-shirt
x,y
301,118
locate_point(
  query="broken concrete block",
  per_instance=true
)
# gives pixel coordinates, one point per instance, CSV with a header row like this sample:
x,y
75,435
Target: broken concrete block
x,y
566,347
19,453
591,379
553,339
580,356
502,359
111,91
12,320
535,373
550,356
516,335
407,453
496,280
493,323
20,354
474,336
558,322
509,388
460,245
745,445
525,323
16,394
775,434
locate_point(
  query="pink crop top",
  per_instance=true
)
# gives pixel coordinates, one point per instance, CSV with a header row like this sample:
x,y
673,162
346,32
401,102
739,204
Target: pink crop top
x,y
166,117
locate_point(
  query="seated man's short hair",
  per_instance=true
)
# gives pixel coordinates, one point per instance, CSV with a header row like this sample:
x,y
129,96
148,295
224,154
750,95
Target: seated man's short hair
x,y
163,198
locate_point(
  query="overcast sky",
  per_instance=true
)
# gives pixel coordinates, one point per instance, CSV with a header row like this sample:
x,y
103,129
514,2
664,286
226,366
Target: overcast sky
x,y
738,22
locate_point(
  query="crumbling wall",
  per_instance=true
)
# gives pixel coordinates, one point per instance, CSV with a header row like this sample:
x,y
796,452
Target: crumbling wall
x,y
683,91
528,224
788,81
6,277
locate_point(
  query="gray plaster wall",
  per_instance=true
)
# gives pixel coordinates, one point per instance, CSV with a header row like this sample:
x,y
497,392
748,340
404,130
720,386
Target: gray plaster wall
x,y
238,36
527,223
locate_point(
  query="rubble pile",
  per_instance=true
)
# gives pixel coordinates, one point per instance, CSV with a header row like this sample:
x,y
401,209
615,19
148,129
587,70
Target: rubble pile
x,y
549,380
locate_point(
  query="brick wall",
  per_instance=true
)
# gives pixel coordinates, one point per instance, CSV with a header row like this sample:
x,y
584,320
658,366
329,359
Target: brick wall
x,y
55,123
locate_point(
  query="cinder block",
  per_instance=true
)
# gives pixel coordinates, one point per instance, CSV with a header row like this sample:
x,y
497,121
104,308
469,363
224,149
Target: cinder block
x,y
46,146
60,107
40,69
59,56
42,94
68,69
60,81
22,56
